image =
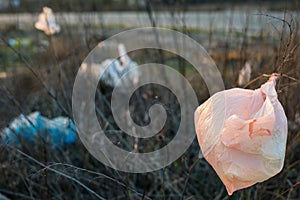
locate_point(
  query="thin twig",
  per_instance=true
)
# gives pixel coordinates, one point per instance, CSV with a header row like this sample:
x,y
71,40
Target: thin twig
x,y
30,68
61,173
16,194
99,174
277,18
285,191
188,177
256,79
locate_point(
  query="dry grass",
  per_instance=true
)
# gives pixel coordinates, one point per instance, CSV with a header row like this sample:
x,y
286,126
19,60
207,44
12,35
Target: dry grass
x,y
42,172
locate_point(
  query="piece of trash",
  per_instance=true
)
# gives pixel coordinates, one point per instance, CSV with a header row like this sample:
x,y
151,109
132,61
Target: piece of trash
x,y
127,65
3,75
297,117
47,23
57,131
245,74
111,70
249,140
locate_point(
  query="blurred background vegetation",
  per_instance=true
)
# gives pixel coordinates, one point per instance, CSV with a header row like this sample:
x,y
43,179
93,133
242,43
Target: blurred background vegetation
x,y
135,5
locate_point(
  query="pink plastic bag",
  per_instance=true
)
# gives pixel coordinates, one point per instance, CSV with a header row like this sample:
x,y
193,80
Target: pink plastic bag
x,y
242,134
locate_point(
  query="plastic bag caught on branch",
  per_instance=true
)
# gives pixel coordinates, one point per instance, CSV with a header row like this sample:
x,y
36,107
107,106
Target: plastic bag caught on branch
x,y
111,70
244,139
47,22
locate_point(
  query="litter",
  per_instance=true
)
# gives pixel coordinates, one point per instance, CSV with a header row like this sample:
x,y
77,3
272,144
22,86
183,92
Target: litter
x,y
246,144
58,131
118,68
47,23
245,74
111,70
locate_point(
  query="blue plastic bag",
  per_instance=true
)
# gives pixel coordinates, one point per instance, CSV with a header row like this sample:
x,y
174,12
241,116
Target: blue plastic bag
x,y
35,127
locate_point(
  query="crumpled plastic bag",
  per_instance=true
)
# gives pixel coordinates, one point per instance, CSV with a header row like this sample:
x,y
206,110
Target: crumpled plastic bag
x,y
242,134
47,22
57,131
111,70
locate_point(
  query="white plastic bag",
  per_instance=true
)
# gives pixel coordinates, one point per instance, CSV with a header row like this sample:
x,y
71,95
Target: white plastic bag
x,y
47,22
